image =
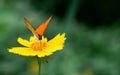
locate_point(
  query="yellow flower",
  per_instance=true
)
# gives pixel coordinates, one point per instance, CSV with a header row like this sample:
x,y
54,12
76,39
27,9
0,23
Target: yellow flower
x,y
40,48
33,66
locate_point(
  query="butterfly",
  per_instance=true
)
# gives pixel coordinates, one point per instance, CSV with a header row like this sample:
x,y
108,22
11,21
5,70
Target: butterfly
x,y
41,28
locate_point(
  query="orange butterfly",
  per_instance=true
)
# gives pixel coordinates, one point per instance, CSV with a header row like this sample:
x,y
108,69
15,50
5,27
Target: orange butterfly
x,y
40,30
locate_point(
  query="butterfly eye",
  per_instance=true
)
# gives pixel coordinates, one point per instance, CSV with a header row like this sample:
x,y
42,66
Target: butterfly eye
x,y
39,37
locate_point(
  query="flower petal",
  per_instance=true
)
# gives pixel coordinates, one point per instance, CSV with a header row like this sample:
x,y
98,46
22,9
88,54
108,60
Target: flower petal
x,y
56,43
23,51
32,38
24,42
43,54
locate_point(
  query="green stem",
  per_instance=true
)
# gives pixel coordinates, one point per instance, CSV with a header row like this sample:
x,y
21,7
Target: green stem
x,y
39,67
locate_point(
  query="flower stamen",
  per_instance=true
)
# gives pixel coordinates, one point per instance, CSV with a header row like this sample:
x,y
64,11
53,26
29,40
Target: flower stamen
x,y
38,45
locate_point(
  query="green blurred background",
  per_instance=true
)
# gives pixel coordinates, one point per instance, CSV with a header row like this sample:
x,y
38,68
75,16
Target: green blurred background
x,y
93,36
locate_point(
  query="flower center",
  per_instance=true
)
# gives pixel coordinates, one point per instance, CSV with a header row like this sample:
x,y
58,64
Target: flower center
x,y
38,45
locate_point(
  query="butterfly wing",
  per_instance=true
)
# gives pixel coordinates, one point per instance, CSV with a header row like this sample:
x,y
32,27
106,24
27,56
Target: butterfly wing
x,y
30,27
41,29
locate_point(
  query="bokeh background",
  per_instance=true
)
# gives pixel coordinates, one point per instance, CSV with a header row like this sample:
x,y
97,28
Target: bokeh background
x,y
92,29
